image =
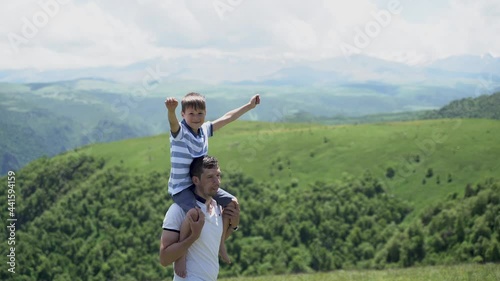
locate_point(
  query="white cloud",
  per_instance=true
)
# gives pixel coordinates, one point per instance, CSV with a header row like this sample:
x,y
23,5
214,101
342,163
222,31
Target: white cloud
x,y
346,14
461,28
183,18
295,34
80,36
116,33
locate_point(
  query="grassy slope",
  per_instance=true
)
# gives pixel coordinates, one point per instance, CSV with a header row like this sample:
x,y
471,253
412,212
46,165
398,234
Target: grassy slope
x,y
471,272
465,149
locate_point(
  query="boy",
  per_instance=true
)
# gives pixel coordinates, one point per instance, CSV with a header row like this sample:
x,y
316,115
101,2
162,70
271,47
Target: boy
x,y
189,140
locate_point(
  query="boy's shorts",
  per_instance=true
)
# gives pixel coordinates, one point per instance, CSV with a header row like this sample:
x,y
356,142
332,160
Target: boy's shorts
x,y
186,200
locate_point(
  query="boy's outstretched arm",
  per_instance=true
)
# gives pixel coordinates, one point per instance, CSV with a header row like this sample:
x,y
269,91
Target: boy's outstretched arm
x,y
171,104
235,113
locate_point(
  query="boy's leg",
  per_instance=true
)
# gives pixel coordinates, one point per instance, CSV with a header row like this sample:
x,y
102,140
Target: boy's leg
x,y
226,224
186,200
180,264
224,198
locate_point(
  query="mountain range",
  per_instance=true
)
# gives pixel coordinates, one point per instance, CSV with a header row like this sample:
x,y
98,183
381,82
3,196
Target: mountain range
x,y
49,112
339,70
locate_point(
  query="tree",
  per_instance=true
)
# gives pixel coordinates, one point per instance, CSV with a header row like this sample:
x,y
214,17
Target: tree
x,y
429,173
390,173
493,252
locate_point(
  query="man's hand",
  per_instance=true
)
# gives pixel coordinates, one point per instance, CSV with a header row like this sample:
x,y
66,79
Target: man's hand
x,y
232,211
197,226
171,104
254,101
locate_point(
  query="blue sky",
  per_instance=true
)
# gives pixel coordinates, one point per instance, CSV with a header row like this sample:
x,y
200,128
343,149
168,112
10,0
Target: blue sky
x,y
72,34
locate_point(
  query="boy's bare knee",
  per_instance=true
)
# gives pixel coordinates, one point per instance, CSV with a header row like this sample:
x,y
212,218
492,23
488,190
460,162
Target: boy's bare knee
x,y
233,202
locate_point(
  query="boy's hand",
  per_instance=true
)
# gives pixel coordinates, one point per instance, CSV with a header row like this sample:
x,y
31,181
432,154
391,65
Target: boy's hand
x,y
255,101
171,103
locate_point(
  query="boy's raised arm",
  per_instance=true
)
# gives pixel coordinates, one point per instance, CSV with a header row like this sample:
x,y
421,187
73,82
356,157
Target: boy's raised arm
x,y
235,113
171,104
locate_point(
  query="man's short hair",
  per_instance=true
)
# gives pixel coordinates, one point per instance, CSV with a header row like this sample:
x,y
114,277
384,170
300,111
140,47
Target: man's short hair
x,y
199,164
193,100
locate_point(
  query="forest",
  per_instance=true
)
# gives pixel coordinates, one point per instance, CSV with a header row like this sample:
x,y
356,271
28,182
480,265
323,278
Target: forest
x,y
77,220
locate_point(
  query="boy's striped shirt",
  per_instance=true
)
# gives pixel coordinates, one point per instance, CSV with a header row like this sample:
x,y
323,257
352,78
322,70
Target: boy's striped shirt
x,y
184,147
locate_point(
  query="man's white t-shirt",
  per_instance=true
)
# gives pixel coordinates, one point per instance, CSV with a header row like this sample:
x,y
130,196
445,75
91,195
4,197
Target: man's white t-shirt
x,y
202,259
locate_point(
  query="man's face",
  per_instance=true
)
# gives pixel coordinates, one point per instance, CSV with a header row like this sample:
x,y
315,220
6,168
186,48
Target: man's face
x,y
194,117
209,182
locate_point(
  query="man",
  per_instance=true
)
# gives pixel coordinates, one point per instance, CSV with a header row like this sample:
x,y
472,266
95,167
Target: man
x,y
201,247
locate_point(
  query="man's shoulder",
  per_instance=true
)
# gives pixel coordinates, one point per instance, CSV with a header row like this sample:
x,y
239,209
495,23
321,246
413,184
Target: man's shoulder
x,y
174,217
174,207
174,211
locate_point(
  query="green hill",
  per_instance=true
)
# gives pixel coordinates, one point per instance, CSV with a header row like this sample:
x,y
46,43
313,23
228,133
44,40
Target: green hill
x,y
313,198
430,159
45,119
485,106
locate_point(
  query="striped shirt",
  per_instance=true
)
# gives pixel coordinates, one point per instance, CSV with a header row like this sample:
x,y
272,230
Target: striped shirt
x,y
184,147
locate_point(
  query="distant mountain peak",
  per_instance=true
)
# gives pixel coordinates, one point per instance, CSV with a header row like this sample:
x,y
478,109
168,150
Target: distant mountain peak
x,y
487,56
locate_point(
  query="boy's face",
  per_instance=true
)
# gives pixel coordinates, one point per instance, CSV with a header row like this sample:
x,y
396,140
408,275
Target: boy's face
x,y
194,117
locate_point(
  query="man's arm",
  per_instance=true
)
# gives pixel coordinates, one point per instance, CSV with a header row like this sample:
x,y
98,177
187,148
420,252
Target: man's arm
x,y
235,113
170,247
171,104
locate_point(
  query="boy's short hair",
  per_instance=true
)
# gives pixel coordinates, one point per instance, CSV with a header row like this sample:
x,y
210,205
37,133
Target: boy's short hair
x,y
193,100
201,163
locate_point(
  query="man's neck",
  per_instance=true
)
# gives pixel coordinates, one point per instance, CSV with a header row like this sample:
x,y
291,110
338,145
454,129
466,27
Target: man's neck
x,y
207,200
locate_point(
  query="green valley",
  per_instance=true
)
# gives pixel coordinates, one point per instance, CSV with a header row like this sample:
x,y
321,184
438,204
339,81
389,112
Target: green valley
x,y
314,198
430,159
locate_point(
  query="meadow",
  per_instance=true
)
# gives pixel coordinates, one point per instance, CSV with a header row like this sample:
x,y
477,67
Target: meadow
x,y
314,198
465,272
431,159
